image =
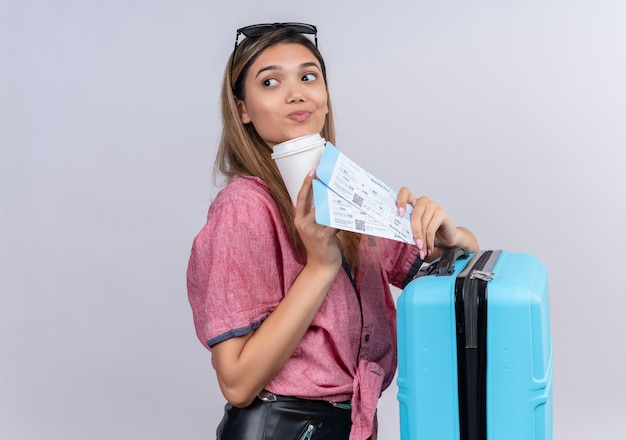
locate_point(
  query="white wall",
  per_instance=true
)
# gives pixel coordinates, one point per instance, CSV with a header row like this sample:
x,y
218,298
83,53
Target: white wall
x,y
510,114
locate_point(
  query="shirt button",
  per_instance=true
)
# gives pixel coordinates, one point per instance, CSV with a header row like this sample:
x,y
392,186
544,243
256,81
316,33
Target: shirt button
x,y
367,337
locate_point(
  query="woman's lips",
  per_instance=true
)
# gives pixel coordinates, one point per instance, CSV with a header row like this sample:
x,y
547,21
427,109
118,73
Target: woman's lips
x,y
299,116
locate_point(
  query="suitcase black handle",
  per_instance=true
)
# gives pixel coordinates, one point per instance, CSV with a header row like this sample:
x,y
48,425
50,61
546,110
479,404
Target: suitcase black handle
x,y
445,265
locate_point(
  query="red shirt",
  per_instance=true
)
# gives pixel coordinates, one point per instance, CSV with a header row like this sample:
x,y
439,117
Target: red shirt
x,y
241,267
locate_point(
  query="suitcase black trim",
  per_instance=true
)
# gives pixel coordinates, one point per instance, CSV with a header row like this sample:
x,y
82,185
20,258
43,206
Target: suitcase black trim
x,y
470,298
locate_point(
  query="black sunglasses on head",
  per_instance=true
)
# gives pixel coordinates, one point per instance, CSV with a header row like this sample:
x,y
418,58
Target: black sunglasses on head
x,y
257,30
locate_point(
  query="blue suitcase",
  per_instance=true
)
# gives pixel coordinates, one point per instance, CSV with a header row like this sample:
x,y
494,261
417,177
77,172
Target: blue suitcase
x,y
475,350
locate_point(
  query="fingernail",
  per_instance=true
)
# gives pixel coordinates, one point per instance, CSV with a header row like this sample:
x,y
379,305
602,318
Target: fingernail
x,y
419,243
312,172
430,251
401,211
422,256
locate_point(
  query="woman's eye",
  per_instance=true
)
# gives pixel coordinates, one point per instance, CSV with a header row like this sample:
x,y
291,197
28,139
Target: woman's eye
x,y
269,82
309,77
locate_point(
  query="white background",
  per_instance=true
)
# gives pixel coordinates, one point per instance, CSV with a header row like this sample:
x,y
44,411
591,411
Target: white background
x,y
512,115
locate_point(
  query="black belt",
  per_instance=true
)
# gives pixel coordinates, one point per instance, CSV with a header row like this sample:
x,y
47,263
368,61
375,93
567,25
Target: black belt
x,y
266,396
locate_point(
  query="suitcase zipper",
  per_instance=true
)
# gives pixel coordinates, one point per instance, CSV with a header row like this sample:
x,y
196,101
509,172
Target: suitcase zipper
x,y
472,301
481,275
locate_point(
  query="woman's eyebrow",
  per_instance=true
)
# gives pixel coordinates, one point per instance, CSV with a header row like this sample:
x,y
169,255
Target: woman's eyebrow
x,y
265,69
275,67
310,64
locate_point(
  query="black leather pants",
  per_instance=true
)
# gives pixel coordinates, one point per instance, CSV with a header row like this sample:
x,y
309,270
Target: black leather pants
x,y
286,418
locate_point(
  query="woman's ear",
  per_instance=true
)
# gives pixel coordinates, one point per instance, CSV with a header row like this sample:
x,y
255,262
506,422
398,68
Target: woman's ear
x,y
243,113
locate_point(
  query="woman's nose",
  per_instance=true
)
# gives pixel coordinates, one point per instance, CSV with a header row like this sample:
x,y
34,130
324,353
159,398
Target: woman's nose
x,y
295,94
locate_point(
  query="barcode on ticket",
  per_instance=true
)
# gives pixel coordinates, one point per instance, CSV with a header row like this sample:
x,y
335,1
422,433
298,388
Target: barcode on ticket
x,y
357,200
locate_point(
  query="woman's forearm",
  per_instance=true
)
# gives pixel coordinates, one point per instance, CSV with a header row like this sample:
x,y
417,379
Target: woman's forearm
x,y
466,239
245,365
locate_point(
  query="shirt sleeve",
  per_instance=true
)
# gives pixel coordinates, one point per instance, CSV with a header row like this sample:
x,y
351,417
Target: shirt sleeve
x,y
234,276
400,260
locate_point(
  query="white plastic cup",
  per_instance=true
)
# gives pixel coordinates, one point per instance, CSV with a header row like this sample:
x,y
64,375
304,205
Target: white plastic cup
x,y
295,158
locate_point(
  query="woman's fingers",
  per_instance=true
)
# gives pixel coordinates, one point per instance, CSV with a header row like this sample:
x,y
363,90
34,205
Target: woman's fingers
x,y
420,219
304,201
320,241
426,220
404,198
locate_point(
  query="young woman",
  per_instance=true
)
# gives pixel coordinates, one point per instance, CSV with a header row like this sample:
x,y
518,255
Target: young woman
x,y
299,317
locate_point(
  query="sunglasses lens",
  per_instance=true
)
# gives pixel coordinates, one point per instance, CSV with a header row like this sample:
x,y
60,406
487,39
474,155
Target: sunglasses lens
x,y
256,30
302,28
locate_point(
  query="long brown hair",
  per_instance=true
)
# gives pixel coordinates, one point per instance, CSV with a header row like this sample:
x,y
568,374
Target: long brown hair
x,y
242,152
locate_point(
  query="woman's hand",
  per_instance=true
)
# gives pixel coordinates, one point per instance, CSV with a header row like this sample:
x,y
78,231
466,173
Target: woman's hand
x,y
432,227
320,241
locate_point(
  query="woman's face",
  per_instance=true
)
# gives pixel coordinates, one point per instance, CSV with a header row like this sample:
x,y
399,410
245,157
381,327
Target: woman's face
x,y
285,94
